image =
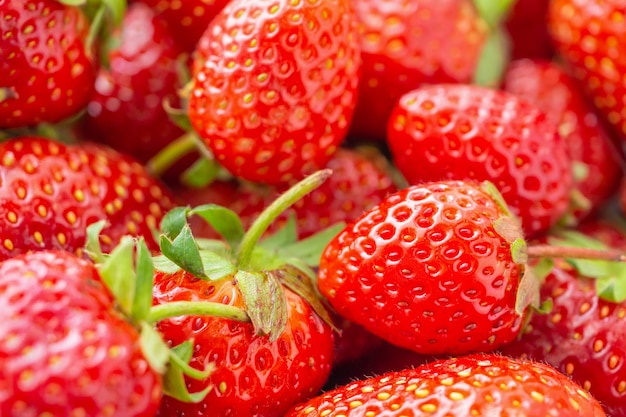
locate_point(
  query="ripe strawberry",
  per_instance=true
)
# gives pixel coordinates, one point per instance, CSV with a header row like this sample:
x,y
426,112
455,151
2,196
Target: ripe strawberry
x,y
408,44
462,131
126,111
64,349
527,27
51,192
587,34
547,86
481,385
275,94
429,269
187,20
46,73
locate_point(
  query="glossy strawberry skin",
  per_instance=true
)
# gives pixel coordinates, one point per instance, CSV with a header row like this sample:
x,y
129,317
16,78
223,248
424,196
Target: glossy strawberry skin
x,y
252,376
277,89
582,336
408,44
587,34
425,270
64,350
44,67
463,131
552,90
51,192
482,385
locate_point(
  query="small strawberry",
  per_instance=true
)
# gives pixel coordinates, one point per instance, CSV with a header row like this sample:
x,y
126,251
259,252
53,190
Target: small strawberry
x,y
51,192
408,44
547,86
476,385
462,131
46,72
276,86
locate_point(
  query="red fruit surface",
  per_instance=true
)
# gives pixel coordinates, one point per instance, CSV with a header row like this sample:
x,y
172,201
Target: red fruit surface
x,y
583,336
527,27
549,87
481,385
588,35
252,376
408,44
353,343
277,90
462,131
51,192
64,350
427,271
46,74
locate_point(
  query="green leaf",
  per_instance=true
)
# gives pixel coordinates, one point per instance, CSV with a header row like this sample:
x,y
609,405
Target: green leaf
x,y
181,355
612,288
225,222
310,250
154,349
164,264
142,301
494,12
201,173
174,221
528,292
118,273
174,381
180,117
117,10
287,235
265,301
216,267
92,245
494,58
543,268
184,252
518,251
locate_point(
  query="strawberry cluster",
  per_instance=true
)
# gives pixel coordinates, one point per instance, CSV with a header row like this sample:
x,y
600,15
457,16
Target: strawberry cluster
x,y
312,208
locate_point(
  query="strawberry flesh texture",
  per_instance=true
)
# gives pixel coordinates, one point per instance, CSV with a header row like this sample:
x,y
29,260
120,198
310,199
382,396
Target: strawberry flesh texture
x,y
425,270
64,349
44,61
252,376
51,192
409,44
469,132
480,385
275,94
547,86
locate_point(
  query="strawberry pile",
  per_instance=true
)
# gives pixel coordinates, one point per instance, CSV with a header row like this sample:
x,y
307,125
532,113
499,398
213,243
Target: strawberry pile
x,y
315,208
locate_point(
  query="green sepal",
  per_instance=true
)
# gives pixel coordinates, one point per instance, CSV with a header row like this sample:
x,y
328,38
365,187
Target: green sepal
x,y
184,252
178,116
518,251
201,173
216,266
118,273
265,301
182,354
612,288
117,10
543,268
92,244
528,292
174,221
493,12
174,380
286,235
164,264
310,250
493,191
493,61
224,221
154,349
508,229
142,300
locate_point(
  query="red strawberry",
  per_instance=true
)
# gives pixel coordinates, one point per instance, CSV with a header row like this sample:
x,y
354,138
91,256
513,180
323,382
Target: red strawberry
x,y
275,95
187,20
46,73
462,131
64,349
587,34
353,343
527,26
481,385
51,192
429,269
126,112
407,44
553,91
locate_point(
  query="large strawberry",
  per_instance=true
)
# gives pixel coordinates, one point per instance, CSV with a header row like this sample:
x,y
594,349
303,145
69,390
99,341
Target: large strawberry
x,y
552,90
51,192
588,35
462,131
476,385
276,86
46,73
407,44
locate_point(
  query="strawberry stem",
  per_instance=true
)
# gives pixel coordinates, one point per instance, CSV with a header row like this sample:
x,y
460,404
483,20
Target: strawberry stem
x,y
548,251
172,153
196,308
274,210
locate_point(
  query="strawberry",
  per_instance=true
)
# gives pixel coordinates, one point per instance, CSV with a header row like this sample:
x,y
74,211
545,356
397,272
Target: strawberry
x,y
587,34
462,131
481,385
187,20
527,27
46,71
431,269
408,44
547,86
126,111
275,91
51,192
64,348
